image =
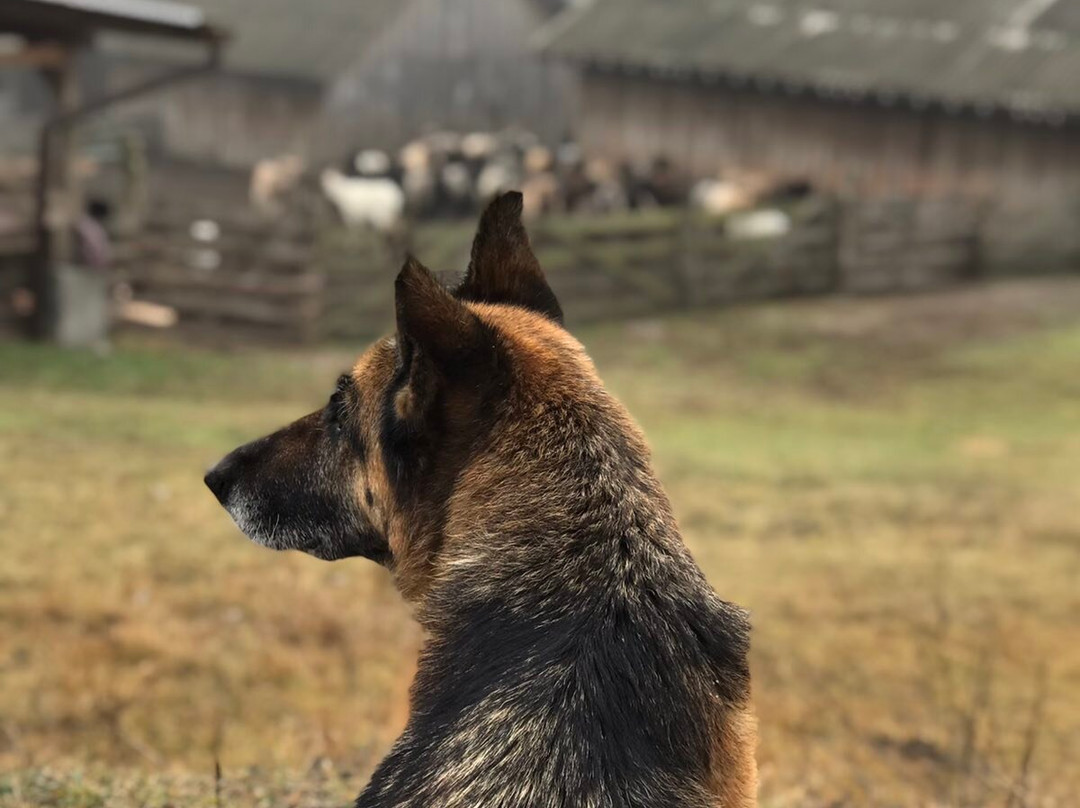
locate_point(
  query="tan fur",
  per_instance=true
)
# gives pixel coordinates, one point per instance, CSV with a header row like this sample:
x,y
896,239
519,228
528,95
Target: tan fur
x,y
734,765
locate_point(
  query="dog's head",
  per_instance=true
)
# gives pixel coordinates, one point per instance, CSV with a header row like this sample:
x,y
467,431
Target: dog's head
x,y
426,413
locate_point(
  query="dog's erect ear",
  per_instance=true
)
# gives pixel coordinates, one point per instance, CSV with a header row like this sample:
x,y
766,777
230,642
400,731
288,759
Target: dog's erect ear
x,y
503,268
447,357
435,328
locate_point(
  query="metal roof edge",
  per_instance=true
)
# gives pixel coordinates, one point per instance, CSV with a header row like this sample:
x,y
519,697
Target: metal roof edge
x,y
884,97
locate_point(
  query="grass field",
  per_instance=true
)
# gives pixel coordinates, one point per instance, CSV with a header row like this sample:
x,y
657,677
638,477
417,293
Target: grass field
x,y
891,486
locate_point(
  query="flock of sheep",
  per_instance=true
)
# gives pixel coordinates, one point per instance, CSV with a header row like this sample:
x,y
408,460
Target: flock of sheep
x,y
448,175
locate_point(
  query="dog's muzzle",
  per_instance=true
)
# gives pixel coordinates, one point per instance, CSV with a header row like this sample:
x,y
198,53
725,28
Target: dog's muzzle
x,y
243,462
220,481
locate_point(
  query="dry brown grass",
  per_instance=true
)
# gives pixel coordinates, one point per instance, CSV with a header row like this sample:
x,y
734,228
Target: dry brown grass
x,y
890,486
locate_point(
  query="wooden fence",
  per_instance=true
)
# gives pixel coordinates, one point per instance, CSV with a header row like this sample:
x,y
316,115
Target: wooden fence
x,y
637,265
228,273
898,245
280,280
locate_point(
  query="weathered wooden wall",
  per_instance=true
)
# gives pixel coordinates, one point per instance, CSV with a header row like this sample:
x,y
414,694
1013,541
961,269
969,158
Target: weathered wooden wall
x,y
862,149
220,120
24,101
458,64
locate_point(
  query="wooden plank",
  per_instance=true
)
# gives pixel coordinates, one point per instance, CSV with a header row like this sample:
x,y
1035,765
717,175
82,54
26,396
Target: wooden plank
x,y
173,220
273,253
631,226
613,256
896,244
39,56
205,303
248,284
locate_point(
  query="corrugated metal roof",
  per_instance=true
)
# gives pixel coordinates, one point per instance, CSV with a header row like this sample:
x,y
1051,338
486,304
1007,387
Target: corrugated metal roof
x,y
167,13
78,18
306,39
1018,55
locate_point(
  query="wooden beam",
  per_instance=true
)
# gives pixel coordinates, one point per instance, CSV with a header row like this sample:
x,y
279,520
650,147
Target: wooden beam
x,y
58,204
40,56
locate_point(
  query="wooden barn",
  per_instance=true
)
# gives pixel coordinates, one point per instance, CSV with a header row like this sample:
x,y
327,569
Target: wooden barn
x,y
878,96
322,77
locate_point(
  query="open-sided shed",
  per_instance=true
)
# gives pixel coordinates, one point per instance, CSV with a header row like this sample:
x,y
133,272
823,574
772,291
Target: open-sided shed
x,y
52,34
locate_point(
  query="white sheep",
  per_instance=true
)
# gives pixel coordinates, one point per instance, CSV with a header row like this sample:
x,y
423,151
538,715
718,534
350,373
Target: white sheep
x,y
363,201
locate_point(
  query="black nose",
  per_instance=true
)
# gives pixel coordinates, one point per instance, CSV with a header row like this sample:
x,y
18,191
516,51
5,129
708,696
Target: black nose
x,y
220,480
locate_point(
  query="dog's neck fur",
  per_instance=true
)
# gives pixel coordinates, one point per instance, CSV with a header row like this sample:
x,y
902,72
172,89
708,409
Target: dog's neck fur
x,y
576,654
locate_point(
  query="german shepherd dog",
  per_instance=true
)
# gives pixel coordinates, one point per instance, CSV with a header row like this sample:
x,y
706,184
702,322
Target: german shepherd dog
x,y
575,654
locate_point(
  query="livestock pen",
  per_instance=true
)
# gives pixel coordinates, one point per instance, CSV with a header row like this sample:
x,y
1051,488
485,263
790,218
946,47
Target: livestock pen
x,y
299,280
